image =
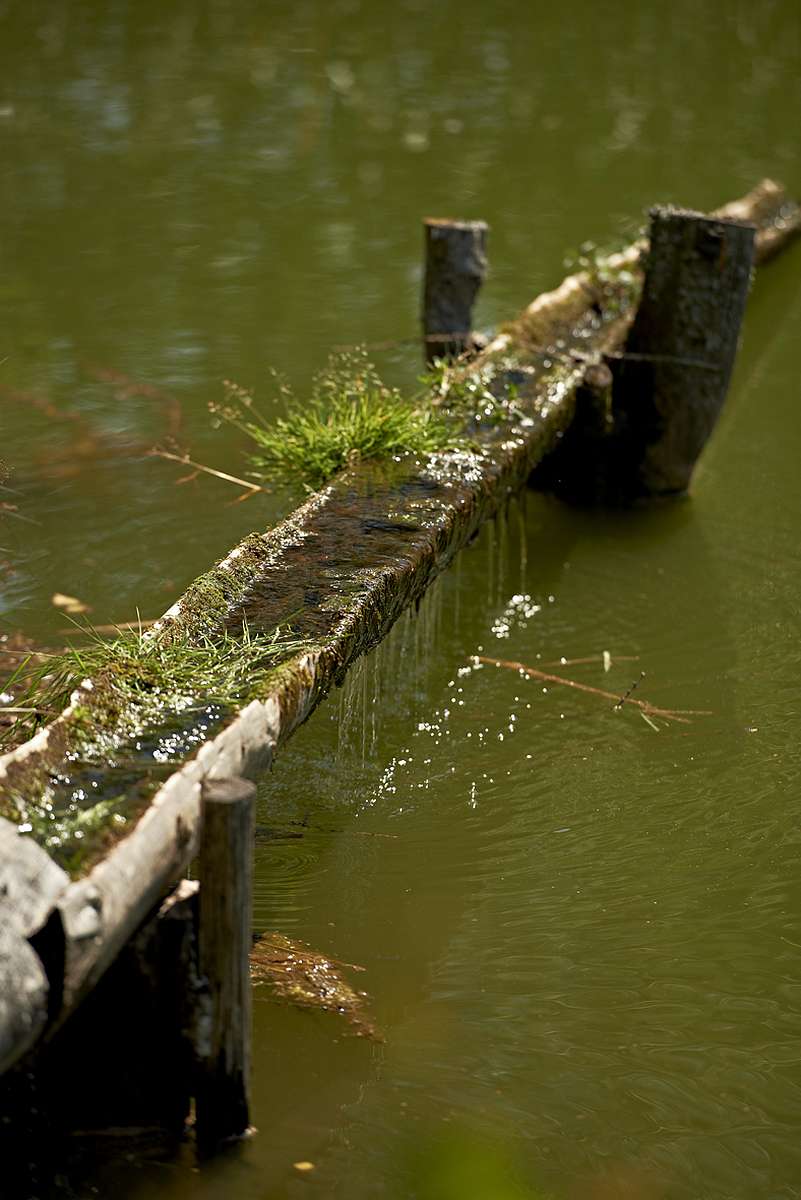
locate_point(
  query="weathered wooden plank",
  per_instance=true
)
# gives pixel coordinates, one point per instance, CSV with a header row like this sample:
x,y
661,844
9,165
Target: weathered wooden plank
x,y
30,881
122,1067
776,216
23,996
100,912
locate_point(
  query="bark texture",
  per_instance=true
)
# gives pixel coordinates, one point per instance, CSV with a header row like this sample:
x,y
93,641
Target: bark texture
x,y
671,382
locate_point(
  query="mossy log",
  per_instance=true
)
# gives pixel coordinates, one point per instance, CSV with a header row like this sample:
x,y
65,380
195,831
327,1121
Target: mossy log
x,y
349,562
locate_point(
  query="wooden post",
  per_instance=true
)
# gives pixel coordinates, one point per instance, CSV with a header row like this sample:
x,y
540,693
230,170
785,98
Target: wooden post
x,y
456,263
672,379
224,937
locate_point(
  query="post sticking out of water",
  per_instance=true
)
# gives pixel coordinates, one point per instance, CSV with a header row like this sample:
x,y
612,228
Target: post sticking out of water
x,y
224,936
672,379
456,264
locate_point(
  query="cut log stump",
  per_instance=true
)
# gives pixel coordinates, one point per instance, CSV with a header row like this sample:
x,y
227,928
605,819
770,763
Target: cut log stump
x,y
671,381
456,264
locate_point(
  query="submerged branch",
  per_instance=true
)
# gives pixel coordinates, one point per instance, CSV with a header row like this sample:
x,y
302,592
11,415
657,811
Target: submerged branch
x,y
667,714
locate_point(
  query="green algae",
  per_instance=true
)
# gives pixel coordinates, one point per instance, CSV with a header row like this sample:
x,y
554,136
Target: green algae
x,y
207,600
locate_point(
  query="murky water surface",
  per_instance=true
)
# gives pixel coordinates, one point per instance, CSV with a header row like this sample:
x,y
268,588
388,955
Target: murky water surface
x,y
581,936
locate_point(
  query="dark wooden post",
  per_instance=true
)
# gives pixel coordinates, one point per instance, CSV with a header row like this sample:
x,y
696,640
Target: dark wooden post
x,y
456,263
224,937
672,379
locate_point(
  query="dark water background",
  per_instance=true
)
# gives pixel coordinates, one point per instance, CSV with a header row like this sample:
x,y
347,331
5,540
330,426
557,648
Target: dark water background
x,y
582,938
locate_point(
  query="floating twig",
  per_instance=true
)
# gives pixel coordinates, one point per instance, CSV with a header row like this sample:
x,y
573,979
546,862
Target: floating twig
x,y
185,460
667,714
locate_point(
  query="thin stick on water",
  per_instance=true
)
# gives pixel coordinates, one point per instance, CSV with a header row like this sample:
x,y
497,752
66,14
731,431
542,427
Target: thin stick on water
x,y
588,660
186,461
668,714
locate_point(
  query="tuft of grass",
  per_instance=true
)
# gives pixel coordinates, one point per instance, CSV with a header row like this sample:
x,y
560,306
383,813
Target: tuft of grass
x,y
351,415
142,677
152,699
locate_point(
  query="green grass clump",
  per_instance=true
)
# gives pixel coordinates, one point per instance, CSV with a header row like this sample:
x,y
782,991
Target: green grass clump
x,y
351,415
138,677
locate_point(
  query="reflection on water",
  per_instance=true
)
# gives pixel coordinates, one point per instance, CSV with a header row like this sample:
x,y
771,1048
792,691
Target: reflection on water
x,y
580,935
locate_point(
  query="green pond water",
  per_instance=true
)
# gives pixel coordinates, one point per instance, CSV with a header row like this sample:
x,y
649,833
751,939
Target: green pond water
x,y
581,937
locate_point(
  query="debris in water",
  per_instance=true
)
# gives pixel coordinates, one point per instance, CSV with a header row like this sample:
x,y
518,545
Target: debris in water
x,y
303,1166
70,604
301,976
668,714
185,460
